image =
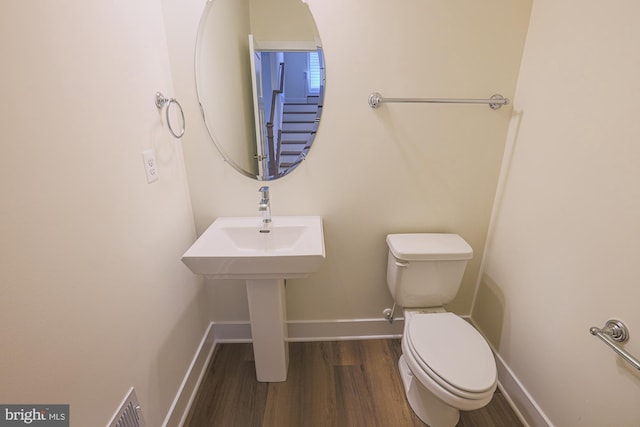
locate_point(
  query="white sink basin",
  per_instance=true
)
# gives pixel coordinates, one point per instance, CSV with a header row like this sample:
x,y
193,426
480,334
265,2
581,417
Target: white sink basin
x,y
243,248
240,248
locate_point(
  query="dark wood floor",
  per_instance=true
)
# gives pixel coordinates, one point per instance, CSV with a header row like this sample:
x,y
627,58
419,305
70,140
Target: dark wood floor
x,y
335,383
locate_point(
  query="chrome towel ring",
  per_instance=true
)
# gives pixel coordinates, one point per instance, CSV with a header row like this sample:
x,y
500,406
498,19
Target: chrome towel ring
x,y
161,102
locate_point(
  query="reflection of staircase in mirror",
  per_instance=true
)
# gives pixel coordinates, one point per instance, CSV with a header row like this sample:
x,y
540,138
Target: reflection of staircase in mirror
x,y
299,125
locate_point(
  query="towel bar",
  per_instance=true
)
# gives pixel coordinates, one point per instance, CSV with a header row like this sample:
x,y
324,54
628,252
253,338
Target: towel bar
x,y
495,102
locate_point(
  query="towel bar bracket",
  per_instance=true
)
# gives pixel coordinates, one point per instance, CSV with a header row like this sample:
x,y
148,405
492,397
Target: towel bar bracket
x,y
615,331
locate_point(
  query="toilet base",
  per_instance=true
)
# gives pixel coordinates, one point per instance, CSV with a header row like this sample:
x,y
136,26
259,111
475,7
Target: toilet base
x,y
431,410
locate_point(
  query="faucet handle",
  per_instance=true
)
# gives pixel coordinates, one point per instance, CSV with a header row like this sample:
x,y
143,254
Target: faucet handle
x,y
264,190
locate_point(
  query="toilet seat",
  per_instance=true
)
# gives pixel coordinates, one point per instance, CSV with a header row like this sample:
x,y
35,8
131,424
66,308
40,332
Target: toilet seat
x,y
452,353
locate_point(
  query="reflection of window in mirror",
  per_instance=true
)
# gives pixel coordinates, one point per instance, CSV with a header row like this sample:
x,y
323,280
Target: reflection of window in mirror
x,y
314,72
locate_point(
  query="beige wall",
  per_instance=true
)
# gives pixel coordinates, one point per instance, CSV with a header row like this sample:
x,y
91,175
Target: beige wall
x,y
401,168
563,252
282,20
225,91
94,297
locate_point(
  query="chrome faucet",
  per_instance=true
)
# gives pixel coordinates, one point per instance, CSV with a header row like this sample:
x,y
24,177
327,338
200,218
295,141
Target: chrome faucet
x,y
264,206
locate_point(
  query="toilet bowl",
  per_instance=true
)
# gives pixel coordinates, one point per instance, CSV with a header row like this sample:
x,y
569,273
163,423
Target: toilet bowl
x,y
446,367
446,364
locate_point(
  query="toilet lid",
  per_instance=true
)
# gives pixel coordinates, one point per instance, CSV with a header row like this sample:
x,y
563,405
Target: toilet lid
x,y
454,350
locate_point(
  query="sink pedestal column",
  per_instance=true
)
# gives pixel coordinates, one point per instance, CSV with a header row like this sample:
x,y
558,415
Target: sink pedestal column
x,y
267,310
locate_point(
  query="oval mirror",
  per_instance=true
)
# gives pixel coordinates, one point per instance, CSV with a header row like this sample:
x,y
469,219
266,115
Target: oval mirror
x,y
260,83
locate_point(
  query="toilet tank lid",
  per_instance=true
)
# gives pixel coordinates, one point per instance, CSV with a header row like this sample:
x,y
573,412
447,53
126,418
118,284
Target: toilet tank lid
x,y
429,246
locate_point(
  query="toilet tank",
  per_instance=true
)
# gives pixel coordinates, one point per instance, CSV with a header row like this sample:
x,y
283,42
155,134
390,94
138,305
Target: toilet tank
x,y
426,269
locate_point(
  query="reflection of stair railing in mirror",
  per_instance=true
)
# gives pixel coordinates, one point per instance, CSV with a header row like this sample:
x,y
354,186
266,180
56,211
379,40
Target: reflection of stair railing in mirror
x,y
302,154
289,112
274,152
302,116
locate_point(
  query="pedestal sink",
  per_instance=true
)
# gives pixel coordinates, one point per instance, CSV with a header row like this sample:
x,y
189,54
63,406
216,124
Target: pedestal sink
x,y
263,256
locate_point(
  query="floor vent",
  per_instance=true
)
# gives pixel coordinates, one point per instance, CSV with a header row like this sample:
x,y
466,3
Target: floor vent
x,y
130,412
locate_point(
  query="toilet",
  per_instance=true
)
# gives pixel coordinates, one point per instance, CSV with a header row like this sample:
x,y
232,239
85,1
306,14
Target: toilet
x,y
446,365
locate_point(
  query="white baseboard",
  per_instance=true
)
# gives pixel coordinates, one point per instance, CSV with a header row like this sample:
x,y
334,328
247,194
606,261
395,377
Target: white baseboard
x,y
527,410
176,416
232,331
520,400
317,330
341,330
